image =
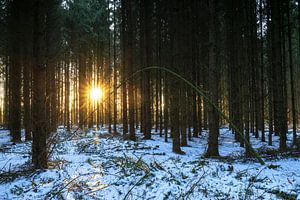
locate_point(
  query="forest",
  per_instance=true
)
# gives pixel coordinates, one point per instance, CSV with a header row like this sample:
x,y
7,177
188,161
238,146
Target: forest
x,y
149,99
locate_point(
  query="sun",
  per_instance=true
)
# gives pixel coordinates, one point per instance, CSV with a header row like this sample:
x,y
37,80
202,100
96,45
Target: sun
x,y
96,94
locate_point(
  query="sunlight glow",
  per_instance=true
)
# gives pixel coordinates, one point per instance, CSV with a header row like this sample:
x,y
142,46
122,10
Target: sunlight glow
x,y
96,94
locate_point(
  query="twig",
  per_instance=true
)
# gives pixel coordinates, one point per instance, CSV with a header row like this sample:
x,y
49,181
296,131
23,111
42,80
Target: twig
x,y
140,180
251,183
189,192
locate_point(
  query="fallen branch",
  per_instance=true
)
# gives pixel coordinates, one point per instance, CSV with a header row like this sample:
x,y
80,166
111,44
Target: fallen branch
x,y
138,182
192,188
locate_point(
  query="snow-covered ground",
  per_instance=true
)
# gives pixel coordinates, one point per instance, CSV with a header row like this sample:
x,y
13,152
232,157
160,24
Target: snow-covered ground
x,y
95,165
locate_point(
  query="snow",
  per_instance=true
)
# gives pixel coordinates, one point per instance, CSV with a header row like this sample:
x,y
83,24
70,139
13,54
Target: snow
x,y
95,165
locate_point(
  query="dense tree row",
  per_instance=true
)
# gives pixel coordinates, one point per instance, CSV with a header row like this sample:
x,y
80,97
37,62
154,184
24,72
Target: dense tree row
x,y
243,57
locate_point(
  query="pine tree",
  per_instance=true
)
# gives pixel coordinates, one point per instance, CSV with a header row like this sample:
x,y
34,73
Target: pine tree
x,y
280,114
15,53
213,149
39,151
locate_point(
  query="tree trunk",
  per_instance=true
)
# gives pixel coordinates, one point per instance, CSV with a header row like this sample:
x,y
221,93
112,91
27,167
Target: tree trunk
x,y
39,147
213,147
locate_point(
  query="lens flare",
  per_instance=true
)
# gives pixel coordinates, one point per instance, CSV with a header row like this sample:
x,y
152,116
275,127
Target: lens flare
x,y
96,94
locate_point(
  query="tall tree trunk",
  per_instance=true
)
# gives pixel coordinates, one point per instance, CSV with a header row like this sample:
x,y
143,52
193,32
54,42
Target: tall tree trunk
x,y
67,95
115,108
124,72
270,77
262,93
278,79
39,147
174,83
15,70
146,59
291,67
213,147
27,62
82,90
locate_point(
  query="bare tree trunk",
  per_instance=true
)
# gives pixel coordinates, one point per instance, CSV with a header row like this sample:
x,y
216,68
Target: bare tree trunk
x,y
39,147
291,67
67,95
15,71
213,147
115,121
278,79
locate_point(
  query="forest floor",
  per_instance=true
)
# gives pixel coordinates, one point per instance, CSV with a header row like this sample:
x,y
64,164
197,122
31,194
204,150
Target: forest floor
x,y
95,165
